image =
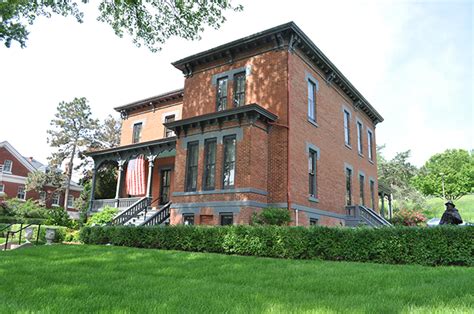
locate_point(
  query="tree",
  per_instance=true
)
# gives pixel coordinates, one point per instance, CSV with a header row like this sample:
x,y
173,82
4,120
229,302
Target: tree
x,y
38,180
108,134
454,167
148,22
72,132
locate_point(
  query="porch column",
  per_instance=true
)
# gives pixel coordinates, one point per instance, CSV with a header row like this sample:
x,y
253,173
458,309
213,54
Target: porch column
x,y
390,206
382,210
119,182
92,197
151,164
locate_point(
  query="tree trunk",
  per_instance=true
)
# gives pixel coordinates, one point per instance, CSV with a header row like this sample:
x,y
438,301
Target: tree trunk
x,y
69,175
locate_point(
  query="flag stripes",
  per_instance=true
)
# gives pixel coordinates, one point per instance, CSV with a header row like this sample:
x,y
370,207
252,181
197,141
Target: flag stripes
x,y
135,178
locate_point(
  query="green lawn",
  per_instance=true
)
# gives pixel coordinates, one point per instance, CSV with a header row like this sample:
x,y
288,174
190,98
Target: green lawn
x,y
435,207
84,278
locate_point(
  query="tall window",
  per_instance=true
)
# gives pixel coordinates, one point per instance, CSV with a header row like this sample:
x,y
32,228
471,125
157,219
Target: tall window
x,y
192,166
359,137
210,164
2,188
222,94
42,196
239,89
21,193
370,145
169,132
348,186
137,132
55,199
227,219
347,134
7,166
70,201
229,161
311,101
372,194
361,187
312,172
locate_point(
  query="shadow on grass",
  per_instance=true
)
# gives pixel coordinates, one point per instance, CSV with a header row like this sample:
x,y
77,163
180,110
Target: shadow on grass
x,y
114,279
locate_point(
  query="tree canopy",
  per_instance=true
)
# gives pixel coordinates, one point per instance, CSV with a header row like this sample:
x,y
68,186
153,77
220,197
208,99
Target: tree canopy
x,y
455,167
148,22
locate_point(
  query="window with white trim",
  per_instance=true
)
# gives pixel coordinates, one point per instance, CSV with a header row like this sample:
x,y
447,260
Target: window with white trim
x,y
42,196
347,132
359,137
7,166
70,201
169,132
2,188
370,145
55,199
137,132
21,193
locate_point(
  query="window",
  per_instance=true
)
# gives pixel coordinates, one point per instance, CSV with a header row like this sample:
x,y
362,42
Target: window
x,y
361,186
2,188
165,185
227,219
372,194
70,201
137,132
222,94
21,193
55,199
210,164
192,166
169,132
42,196
312,172
347,134
229,162
188,219
239,89
348,186
313,221
311,101
370,145
359,137
7,166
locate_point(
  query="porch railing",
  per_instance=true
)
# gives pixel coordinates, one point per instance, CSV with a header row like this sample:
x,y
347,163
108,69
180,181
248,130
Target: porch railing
x,y
132,211
120,203
159,217
367,215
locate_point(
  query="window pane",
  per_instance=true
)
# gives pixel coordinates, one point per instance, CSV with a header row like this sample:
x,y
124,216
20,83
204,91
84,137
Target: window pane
x,y
169,132
359,137
229,161
348,186
312,172
361,185
222,94
372,194
311,101
188,219
369,143
347,138
227,219
210,164
191,168
7,166
239,89
137,130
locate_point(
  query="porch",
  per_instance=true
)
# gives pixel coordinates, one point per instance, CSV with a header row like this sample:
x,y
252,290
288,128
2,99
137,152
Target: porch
x,y
151,165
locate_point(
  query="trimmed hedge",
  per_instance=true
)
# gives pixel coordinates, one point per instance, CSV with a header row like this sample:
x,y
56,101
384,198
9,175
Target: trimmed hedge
x,y
447,245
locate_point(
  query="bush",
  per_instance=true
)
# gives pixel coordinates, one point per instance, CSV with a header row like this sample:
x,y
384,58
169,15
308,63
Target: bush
x,y
446,245
60,233
102,218
57,216
22,209
407,217
272,216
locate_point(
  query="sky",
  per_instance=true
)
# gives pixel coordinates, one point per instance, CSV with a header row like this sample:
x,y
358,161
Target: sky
x,y
413,61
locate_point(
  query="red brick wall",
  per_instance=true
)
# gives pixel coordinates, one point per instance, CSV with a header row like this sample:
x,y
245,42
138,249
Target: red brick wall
x,y
18,168
329,137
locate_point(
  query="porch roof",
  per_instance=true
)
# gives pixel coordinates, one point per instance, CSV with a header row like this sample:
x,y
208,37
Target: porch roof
x,y
251,111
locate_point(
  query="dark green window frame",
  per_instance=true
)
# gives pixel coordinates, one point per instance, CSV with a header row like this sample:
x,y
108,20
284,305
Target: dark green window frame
x,y
192,161
229,162
210,156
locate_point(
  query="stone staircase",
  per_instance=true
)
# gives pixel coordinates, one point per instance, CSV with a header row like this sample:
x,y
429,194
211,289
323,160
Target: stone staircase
x,y
142,214
359,215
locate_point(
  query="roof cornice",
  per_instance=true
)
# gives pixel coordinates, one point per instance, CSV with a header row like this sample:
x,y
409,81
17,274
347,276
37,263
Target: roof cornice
x,y
288,36
154,101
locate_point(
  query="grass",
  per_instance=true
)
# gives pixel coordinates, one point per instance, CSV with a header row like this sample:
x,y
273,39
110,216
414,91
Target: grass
x,y
435,207
85,278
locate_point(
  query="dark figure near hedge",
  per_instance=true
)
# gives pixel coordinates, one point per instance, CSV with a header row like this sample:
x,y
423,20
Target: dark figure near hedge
x,y
451,215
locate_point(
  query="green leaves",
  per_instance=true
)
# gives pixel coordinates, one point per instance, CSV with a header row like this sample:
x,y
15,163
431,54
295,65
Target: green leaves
x,y
148,22
454,167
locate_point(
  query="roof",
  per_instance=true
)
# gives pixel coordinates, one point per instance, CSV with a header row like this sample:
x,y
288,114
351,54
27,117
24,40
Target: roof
x,y
152,101
163,141
285,35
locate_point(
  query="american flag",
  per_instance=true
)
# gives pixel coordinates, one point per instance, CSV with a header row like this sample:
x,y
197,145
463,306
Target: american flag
x,y
136,176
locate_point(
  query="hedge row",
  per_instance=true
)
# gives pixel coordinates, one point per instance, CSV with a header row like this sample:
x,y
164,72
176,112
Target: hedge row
x,y
400,245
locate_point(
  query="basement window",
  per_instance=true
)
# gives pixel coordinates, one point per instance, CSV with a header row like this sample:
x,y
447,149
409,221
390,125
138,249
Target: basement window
x,y
227,219
188,219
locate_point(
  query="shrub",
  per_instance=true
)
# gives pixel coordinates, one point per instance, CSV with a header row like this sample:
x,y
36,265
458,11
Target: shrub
x,y
22,209
272,216
104,217
446,245
59,237
57,216
407,217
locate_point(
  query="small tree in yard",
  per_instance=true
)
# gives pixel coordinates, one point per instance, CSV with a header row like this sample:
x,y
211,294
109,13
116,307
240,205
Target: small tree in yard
x,y
454,167
38,180
72,132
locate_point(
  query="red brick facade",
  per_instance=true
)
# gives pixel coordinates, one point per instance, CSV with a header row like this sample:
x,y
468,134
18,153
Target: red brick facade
x,y
271,159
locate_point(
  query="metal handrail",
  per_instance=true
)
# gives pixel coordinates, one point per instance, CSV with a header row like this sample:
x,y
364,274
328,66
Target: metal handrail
x,y
132,211
372,216
8,226
20,231
159,217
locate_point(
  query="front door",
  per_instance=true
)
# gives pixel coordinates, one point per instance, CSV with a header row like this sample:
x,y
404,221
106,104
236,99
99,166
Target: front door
x,y
165,183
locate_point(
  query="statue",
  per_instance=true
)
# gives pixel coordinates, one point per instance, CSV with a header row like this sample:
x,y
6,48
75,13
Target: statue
x,y
451,215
